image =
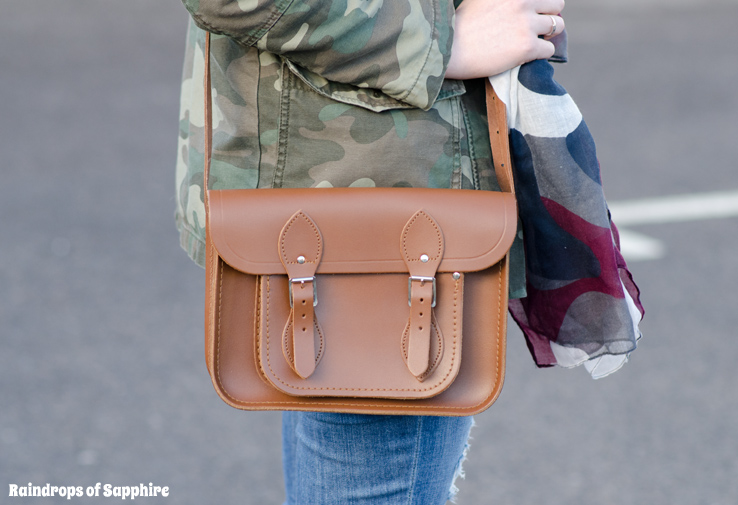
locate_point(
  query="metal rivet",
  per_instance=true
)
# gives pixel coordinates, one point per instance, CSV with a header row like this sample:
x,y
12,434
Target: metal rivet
x,y
456,276
301,259
424,258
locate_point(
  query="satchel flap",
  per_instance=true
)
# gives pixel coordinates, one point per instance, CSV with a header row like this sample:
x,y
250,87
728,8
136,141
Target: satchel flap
x,y
361,228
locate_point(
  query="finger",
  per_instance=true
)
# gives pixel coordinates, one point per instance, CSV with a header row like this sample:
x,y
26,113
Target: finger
x,y
550,26
545,49
550,6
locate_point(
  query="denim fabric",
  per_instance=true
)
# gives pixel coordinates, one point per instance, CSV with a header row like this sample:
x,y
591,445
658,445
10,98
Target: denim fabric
x,y
348,459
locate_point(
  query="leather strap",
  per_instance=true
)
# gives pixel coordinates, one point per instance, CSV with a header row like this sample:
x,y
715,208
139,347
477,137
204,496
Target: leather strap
x,y
301,248
499,139
422,249
208,123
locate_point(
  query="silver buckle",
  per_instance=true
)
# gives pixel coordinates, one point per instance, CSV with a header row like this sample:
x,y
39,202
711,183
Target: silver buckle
x,y
421,279
303,280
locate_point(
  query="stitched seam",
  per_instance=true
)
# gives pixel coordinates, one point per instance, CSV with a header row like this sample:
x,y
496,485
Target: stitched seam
x,y
250,40
376,106
400,405
286,349
470,145
430,48
220,311
211,315
268,297
223,390
499,319
285,345
268,25
439,352
259,122
318,253
257,326
456,312
456,175
439,338
407,231
283,128
416,457
430,388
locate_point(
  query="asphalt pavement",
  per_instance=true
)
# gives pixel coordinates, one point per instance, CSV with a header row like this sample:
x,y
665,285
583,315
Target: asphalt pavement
x,y
102,376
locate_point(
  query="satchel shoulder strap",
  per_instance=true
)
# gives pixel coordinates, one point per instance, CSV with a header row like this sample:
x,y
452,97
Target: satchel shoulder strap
x,y
499,139
496,117
208,124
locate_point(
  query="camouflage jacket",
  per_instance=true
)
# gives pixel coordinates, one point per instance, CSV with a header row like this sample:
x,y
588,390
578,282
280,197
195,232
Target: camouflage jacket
x,y
315,93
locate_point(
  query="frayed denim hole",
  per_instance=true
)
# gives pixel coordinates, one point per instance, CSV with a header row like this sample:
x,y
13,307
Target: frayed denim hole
x,y
459,470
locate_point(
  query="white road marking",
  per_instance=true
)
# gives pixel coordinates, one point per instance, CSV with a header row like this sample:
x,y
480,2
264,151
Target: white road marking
x,y
675,209
638,247
670,209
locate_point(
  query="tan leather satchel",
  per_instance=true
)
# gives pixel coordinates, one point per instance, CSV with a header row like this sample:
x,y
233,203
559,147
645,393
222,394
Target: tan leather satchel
x,y
362,300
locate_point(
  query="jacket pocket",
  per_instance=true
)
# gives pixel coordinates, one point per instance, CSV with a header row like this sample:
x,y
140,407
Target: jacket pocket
x,y
330,137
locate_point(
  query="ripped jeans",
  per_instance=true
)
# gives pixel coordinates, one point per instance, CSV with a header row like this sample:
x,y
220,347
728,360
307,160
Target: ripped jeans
x,y
348,459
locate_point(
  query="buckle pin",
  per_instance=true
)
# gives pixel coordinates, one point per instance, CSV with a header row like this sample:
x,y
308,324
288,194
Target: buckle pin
x,y
421,280
303,280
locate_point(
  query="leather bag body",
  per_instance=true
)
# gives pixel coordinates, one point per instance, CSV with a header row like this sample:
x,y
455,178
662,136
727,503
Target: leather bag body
x,y
360,300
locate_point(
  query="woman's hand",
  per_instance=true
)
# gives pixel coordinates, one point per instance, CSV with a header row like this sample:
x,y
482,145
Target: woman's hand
x,y
491,36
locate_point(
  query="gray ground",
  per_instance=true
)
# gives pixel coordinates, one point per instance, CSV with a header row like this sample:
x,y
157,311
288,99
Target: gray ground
x,y
102,377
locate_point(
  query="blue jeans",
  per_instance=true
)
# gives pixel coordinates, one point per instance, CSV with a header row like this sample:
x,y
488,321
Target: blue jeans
x,y
347,459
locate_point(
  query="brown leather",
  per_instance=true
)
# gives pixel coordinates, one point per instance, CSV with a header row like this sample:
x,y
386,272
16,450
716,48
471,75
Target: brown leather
x,y
301,248
418,329
362,236
208,121
242,375
362,351
370,258
499,140
435,351
422,250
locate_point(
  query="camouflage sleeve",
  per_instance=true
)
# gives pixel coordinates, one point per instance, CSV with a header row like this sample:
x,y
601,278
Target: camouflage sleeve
x,y
397,47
